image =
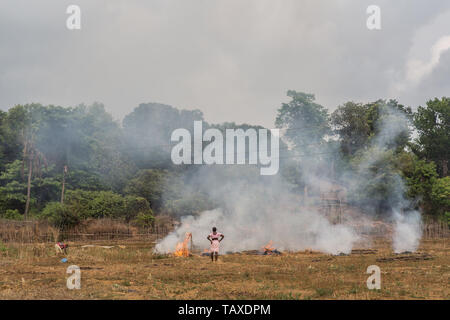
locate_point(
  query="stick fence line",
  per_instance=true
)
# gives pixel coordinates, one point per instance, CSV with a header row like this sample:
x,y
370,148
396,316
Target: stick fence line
x,y
27,232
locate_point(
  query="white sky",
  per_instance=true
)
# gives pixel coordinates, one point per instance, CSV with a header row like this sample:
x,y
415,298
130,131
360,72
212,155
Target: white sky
x,y
233,59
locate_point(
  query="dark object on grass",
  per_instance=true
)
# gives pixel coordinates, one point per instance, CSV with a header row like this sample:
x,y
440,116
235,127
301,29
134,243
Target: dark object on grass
x,y
342,254
322,259
271,252
252,252
90,268
262,253
364,251
411,257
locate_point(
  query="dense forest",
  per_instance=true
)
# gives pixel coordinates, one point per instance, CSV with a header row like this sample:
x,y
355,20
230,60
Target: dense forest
x,y
67,164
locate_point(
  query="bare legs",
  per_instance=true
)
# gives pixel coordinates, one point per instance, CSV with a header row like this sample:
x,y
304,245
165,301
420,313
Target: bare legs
x,y
214,254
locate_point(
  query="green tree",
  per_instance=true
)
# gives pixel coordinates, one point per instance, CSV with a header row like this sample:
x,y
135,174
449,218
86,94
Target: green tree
x,y
350,122
11,126
357,124
377,184
34,160
137,206
12,188
60,215
433,125
149,184
147,132
440,195
305,123
28,122
420,177
3,141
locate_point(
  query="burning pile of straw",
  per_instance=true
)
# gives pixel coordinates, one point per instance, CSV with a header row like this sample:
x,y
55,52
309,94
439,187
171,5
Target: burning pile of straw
x,y
183,249
268,249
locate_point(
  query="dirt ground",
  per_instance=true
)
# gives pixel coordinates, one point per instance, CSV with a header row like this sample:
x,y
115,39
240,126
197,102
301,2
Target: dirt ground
x,y
134,272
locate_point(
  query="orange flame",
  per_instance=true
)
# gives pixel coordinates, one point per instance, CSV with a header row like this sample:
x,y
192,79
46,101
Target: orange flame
x,y
268,248
182,248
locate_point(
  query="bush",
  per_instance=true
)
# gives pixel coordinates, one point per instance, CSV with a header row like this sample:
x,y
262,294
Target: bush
x,y
96,204
420,179
144,220
60,216
440,195
107,204
150,184
135,206
79,201
12,215
3,249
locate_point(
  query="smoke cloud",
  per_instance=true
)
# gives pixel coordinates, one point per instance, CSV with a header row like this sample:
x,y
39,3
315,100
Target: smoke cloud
x,y
254,214
418,69
253,210
407,231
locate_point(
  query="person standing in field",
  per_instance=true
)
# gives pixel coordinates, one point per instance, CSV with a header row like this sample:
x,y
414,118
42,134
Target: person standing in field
x,y
215,238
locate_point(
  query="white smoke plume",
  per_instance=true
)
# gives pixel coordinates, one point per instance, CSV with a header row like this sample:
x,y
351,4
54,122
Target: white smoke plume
x,y
292,231
258,209
254,210
407,231
417,69
407,222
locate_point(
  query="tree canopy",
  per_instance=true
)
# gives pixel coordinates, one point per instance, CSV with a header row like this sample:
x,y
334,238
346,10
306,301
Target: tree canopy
x,y
123,170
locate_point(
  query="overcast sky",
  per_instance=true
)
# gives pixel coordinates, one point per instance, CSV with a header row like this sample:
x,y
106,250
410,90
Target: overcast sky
x,y
233,59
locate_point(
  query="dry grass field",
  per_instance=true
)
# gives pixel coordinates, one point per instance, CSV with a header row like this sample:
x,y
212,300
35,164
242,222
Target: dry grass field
x,y
34,271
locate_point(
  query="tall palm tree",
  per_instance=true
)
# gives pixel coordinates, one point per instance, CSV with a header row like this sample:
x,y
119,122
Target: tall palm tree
x,y
34,159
